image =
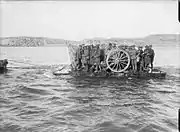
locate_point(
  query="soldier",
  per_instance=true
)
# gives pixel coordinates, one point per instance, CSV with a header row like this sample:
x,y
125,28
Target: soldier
x,y
79,57
91,61
146,57
140,59
151,54
126,48
133,56
114,46
85,58
102,55
97,57
97,54
110,46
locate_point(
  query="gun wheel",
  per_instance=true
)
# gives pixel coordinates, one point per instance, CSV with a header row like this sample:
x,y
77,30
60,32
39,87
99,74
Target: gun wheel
x,y
118,60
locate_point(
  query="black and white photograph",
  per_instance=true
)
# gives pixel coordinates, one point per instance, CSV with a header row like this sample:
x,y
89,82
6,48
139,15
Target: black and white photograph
x,y
89,66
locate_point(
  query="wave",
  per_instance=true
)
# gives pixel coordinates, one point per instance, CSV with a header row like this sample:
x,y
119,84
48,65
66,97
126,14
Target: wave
x,y
31,90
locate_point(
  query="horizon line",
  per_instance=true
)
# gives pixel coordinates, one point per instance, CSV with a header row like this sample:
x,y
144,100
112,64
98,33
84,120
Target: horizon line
x,y
89,37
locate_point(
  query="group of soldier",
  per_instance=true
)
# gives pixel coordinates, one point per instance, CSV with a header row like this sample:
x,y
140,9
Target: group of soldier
x,y
92,58
141,60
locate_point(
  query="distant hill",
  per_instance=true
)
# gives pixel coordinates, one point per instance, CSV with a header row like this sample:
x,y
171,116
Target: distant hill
x,y
54,41
154,39
163,39
29,41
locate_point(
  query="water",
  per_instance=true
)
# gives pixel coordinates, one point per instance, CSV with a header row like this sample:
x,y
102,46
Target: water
x,y
34,100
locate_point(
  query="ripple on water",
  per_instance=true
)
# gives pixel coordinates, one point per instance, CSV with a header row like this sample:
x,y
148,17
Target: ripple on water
x,y
31,101
33,90
109,126
153,128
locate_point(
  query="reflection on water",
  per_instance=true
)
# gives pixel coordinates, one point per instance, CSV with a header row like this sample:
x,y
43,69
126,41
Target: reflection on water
x,y
33,99
37,55
167,56
164,56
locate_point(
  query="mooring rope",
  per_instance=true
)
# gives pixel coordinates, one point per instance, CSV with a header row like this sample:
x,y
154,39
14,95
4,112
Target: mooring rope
x,y
38,65
23,62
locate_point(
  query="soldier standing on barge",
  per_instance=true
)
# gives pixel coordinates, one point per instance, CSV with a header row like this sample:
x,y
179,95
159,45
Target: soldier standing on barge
x,y
79,57
152,54
133,56
140,59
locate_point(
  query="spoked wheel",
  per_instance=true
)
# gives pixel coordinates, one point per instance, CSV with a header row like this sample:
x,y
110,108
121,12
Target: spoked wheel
x,y
118,60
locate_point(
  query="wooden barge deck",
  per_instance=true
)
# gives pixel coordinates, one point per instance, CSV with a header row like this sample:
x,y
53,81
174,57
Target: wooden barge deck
x,y
156,73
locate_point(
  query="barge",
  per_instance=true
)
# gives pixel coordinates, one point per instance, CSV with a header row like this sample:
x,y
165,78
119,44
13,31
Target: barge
x,y
106,59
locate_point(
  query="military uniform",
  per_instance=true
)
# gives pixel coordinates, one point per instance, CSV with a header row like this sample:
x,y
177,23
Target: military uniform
x,y
151,54
146,57
133,54
95,55
85,55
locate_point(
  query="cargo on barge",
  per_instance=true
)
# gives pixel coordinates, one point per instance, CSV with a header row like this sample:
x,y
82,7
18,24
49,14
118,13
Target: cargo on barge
x,y
107,58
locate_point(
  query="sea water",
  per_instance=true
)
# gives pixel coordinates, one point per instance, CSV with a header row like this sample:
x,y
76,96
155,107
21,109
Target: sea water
x,y
32,99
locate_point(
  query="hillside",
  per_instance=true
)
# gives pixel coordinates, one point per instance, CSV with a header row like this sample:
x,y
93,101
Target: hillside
x,y
155,39
29,41
163,39
54,41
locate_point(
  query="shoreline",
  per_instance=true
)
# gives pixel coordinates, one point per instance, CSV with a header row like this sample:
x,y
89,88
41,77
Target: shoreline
x,y
63,45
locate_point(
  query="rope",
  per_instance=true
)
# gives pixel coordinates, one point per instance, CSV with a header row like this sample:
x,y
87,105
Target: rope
x,y
35,65
23,62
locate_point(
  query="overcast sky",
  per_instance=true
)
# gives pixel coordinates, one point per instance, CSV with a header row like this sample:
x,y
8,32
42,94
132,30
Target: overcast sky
x,y
78,20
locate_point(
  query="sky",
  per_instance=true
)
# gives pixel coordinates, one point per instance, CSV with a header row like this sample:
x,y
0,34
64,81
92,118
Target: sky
x,y
77,20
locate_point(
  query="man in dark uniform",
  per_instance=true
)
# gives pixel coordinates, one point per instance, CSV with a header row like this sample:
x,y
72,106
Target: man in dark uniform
x,y
110,46
146,57
140,59
151,54
79,57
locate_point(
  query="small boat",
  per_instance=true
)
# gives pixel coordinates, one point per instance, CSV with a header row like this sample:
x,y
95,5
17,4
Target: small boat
x,y
3,65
